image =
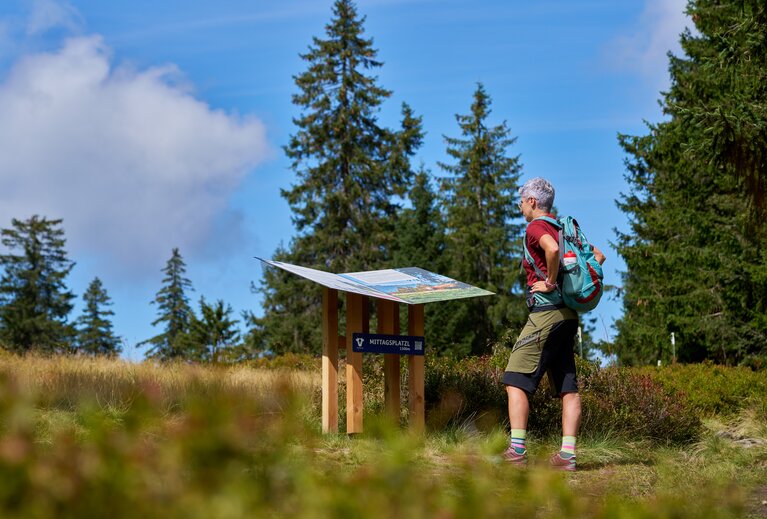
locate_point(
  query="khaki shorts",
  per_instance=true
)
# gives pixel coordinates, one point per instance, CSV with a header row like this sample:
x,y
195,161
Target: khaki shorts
x,y
544,345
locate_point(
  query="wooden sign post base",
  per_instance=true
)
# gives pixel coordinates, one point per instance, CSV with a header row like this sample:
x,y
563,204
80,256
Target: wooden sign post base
x,y
358,321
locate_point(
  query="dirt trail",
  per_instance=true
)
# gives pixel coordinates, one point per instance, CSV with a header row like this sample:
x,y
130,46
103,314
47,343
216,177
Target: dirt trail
x,y
756,506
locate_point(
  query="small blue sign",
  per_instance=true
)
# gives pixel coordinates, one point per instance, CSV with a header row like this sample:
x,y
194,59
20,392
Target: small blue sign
x,y
396,344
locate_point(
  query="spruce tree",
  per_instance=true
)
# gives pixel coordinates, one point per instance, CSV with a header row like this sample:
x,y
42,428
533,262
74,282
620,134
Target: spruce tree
x,y
94,329
349,171
292,311
721,88
483,239
173,311
348,166
696,252
421,243
420,240
34,300
253,342
214,332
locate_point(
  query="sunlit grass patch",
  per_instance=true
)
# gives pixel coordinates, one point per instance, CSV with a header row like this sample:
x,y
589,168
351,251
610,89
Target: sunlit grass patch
x,y
65,382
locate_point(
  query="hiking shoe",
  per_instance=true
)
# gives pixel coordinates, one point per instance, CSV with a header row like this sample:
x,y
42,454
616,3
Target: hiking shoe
x,y
513,457
560,463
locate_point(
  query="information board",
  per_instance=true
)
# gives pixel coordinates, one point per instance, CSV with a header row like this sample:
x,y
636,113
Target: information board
x,y
409,285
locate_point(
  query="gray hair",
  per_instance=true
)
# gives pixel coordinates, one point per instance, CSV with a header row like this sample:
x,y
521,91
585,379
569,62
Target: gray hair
x,y
540,189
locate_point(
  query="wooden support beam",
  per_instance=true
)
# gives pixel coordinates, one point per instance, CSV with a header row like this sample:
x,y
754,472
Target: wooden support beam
x,y
388,323
356,321
416,372
329,360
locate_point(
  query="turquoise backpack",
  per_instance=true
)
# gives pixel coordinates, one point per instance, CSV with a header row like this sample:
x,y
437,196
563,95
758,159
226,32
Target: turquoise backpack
x,y
580,274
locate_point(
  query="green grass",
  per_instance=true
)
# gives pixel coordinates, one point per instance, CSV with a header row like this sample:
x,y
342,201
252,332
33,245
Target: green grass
x,y
81,436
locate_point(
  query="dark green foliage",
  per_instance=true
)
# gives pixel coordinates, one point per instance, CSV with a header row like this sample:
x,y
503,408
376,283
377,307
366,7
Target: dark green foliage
x,y
421,229
483,241
214,332
696,252
173,311
94,329
34,300
421,243
722,89
349,170
253,339
292,311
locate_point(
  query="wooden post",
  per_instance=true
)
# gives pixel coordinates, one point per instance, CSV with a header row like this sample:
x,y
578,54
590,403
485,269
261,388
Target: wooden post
x,y
356,321
415,324
329,360
388,323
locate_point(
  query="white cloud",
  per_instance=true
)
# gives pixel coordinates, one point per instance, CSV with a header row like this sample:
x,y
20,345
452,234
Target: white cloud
x,y
643,48
132,162
50,14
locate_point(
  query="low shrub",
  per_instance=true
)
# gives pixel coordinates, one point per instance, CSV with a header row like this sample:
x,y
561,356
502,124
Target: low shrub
x,y
464,391
630,404
713,389
616,401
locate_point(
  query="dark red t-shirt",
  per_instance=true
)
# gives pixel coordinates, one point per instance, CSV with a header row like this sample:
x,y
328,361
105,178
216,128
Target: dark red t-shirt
x,y
535,230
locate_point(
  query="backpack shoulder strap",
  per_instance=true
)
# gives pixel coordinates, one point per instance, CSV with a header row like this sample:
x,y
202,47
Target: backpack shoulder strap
x,y
556,223
529,256
531,261
560,227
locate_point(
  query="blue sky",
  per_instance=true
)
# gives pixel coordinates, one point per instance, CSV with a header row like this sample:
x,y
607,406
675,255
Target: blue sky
x,y
150,125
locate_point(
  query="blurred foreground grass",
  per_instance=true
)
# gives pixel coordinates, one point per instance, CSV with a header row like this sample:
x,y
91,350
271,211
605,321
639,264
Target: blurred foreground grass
x,y
92,438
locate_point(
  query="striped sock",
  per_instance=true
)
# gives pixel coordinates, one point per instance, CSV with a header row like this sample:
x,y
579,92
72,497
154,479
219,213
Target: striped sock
x,y
518,440
568,447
